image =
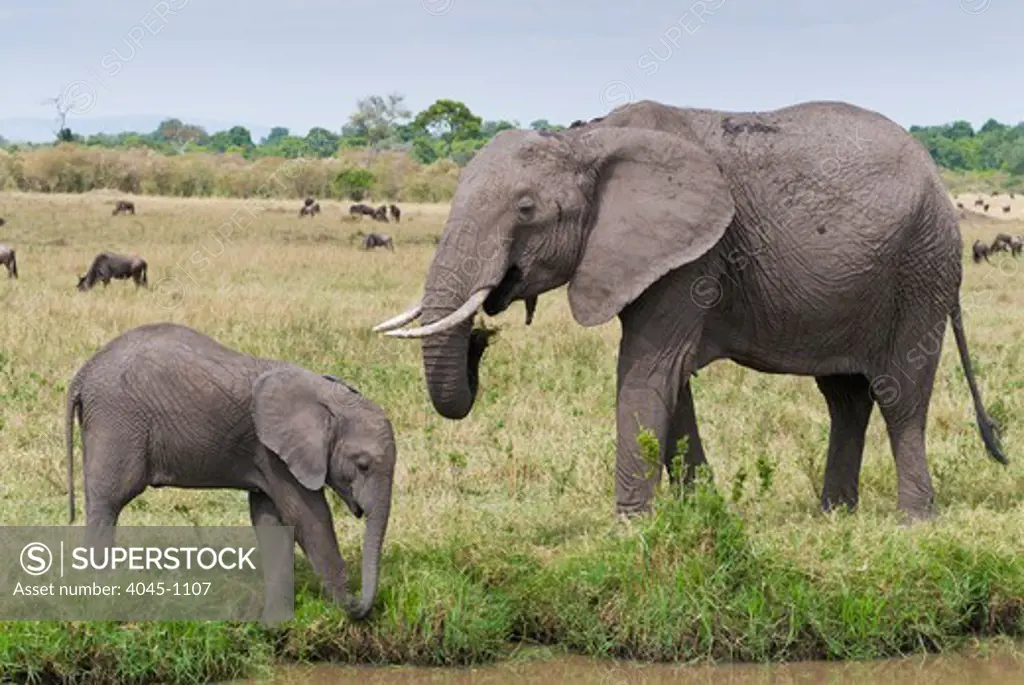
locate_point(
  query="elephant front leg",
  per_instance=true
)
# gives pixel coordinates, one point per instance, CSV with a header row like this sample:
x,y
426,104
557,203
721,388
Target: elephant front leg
x,y
684,425
648,406
278,563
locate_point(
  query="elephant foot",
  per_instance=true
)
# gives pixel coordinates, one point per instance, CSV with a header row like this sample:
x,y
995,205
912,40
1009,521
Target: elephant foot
x,y
913,517
629,513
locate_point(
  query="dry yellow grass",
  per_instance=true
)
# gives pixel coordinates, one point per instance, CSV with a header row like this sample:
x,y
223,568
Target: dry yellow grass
x,y
537,452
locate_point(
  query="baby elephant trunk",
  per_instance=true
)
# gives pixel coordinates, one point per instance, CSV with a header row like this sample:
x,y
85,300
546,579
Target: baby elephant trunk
x,y
373,541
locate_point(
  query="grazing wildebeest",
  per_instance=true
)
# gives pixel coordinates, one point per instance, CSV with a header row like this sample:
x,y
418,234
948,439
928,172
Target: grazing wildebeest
x,y
123,206
7,258
979,202
108,265
373,240
981,251
986,207
2,221
381,214
1006,209
1002,243
309,208
396,213
959,205
361,209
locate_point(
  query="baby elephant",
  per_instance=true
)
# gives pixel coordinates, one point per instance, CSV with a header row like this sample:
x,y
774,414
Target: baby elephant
x,y
107,265
165,405
7,259
373,240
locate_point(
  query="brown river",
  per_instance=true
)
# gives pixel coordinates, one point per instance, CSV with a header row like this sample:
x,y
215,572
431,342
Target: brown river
x,y
940,670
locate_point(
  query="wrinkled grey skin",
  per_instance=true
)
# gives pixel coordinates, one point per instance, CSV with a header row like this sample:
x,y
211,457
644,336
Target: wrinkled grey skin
x,y
164,405
373,240
107,265
9,260
815,240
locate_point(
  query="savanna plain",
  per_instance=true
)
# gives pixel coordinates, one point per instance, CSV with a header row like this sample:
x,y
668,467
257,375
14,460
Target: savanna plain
x,y
503,539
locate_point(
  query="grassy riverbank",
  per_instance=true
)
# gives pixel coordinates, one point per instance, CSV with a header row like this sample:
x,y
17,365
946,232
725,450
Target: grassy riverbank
x,y
503,531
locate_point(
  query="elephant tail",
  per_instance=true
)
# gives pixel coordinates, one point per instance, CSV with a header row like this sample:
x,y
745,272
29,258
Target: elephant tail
x,y
74,405
988,427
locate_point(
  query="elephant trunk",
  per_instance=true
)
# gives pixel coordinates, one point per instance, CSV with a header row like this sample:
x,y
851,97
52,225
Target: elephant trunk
x,y
373,542
451,358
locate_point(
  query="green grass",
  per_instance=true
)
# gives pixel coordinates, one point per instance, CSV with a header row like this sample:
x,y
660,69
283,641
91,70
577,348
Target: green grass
x,y
503,531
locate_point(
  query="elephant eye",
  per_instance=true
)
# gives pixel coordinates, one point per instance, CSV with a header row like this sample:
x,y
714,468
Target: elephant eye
x,y
363,464
525,206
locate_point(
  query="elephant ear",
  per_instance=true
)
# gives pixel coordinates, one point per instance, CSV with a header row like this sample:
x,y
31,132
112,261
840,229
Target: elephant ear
x,y
661,202
291,420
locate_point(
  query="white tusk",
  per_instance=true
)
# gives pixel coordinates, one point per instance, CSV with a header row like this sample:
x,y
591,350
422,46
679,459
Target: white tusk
x,y
451,321
400,320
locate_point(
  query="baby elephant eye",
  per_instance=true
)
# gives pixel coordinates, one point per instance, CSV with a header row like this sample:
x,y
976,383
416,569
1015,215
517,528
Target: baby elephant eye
x,y
363,464
525,206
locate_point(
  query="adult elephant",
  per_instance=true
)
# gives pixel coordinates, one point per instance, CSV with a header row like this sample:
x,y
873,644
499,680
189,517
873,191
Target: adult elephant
x,y
815,240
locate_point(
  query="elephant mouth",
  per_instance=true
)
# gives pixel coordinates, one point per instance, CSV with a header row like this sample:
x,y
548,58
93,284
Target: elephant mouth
x,y
505,293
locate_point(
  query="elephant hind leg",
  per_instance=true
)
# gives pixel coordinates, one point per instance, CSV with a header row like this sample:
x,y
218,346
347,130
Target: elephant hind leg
x,y
849,406
113,473
903,393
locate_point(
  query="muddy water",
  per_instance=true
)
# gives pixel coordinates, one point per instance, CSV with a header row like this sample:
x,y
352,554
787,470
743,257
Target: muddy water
x,y
1002,670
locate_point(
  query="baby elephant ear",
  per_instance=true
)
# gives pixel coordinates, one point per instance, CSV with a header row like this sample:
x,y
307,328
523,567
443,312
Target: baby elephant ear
x,y
291,421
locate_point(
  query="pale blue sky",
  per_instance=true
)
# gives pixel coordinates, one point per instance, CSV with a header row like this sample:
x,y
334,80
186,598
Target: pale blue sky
x,y
302,63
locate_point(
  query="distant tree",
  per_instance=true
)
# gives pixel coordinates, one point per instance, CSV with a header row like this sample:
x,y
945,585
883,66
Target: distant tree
x,y
235,137
353,183
448,120
376,117
540,124
321,142
276,134
489,129
425,151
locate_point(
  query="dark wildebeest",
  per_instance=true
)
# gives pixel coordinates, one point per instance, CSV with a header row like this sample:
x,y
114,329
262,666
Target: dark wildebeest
x,y
373,240
1006,209
107,265
986,207
381,214
396,213
2,221
123,206
959,205
361,209
1002,243
979,202
310,207
981,251
7,258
